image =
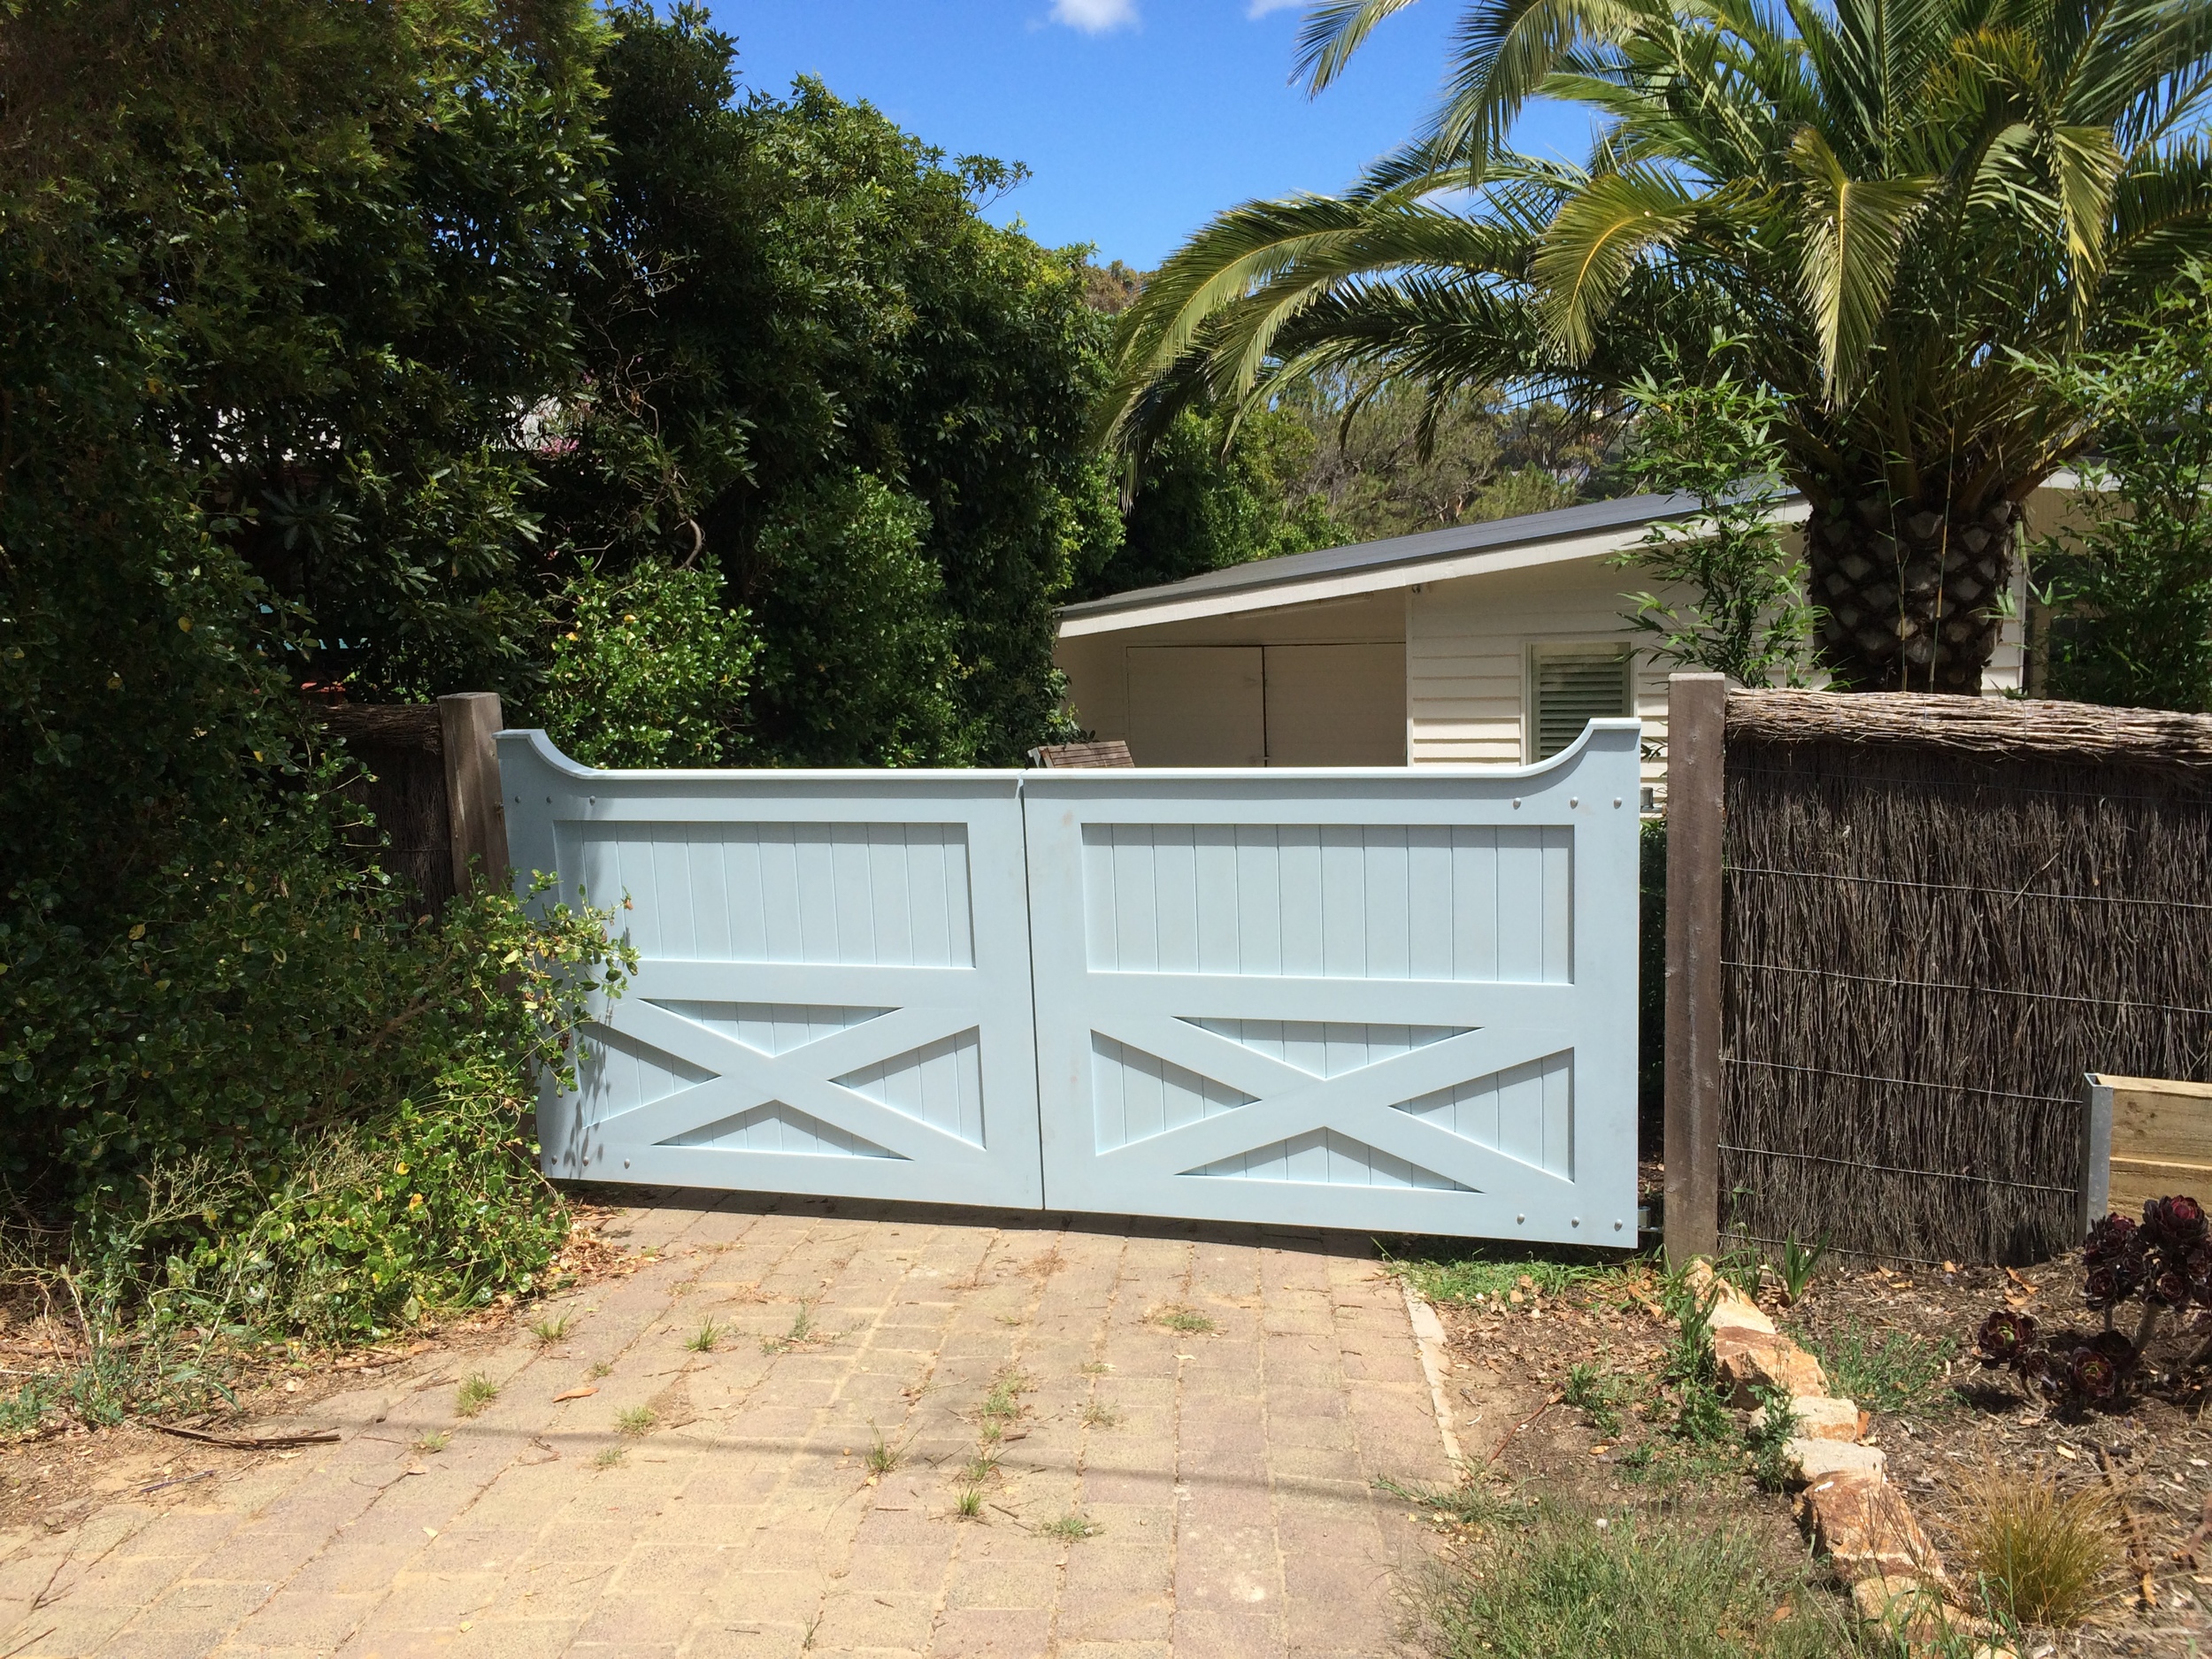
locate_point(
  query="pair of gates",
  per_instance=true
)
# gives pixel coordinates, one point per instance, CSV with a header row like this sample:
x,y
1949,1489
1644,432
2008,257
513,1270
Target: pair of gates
x,y
1397,1001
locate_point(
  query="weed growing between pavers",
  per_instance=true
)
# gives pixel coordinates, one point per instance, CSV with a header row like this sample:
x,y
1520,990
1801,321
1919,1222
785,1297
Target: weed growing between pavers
x,y
608,1456
436,1441
636,1422
703,1339
474,1395
883,1457
803,1333
1187,1321
1099,1416
550,1330
969,1505
1071,1527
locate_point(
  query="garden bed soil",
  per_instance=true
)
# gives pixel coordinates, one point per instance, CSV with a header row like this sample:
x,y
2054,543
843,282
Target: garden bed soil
x,y
1904,1344
54,1475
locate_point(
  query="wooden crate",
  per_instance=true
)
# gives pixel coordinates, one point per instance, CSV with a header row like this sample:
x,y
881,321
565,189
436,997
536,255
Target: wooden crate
x,y
2148,1137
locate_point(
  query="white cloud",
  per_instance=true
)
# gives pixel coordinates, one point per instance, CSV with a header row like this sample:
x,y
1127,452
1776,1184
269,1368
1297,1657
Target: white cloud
x,y
1261,8
1096,16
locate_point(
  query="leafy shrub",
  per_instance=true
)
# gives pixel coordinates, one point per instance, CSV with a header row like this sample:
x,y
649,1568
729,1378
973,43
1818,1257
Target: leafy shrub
x,y
650,671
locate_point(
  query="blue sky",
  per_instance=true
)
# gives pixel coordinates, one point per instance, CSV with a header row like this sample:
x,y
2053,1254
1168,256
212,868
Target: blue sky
x,y
1140,118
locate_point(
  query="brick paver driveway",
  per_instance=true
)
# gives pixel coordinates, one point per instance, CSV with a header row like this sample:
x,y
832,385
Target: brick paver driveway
x,y
1229,1474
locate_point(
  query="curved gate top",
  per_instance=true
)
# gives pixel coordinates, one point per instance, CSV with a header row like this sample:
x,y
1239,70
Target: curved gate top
x,y
1394,1000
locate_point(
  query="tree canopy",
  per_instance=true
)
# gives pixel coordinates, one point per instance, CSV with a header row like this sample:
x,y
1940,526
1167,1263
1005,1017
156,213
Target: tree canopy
x,y
1889,211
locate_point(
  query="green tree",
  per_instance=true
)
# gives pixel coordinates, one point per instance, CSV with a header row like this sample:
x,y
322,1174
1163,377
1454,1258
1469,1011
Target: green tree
x,y
1211,496
1887,207
790,293
275,281
651,670
2132,580
1746,615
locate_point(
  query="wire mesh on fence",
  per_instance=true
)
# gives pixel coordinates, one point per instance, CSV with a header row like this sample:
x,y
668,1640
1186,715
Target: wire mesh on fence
x,y
1926,947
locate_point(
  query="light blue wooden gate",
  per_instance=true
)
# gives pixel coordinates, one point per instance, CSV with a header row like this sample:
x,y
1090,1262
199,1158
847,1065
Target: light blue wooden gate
x,y
1386,999
1391,999
833,995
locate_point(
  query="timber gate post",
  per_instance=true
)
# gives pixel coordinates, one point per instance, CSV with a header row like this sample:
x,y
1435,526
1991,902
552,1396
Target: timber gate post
x,y
1697,717
469,721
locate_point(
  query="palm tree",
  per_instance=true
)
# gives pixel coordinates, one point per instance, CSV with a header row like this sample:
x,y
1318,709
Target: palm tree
x,y
1887,211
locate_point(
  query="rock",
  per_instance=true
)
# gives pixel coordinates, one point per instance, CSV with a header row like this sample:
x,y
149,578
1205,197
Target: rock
x,y
1918,1615
1733,1311
1750,1361
1816,1461
1820,1417
1863,1523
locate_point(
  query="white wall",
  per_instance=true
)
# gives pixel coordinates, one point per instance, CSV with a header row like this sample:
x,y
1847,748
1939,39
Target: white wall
x,y
1467,644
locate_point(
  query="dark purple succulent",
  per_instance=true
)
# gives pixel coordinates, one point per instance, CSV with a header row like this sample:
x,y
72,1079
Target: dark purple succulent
x,y
2039,1375
2176,1223
2104,1288
2110,1239
2167,1289
2095,1375
2115,1345
2004,1335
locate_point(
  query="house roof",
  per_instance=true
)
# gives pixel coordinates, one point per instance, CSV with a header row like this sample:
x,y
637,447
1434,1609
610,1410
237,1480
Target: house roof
x,y
1588,530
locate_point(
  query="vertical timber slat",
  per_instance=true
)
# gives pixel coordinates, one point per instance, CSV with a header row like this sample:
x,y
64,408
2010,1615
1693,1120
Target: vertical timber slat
x,y
1697,714
469,722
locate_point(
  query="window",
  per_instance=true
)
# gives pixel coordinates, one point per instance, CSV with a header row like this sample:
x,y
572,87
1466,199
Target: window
x,y
1570,685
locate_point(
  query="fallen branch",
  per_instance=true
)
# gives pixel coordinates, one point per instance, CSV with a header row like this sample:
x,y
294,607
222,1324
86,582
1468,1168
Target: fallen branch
x,y
1517,1427
250,1442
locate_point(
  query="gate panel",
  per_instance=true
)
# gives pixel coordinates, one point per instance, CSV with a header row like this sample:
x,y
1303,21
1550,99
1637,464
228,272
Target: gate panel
x,y
1390,1000
833,995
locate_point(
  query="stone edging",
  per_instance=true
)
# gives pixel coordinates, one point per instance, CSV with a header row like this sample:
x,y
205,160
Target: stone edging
x,y
1848,1504
1436,1364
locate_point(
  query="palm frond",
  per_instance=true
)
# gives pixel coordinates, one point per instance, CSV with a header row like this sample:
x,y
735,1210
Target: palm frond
x,y
1595,240
1854,229
1332,32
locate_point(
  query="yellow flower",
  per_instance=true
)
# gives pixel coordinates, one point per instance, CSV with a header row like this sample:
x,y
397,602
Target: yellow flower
x,y
403,1169
415,1202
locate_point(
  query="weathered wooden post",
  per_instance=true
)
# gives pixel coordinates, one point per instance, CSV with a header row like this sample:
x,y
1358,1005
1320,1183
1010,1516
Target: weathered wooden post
x,y
468,721
1697,718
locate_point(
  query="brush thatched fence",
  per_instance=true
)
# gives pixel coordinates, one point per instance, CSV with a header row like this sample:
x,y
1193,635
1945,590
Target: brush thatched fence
x,y
1934,914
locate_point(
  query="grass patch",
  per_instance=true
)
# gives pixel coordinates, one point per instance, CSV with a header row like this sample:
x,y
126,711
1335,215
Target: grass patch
x,y
969,1505
550,1330
1096,1415
1898,1372
1004,1403
883,1457
703,1339
1590,1390
2040,1557
608,1456
600,1368
1189,1321
803,1330
434,1442
1619,1588
635,1422
1469,1505
474,1395
1768,1439
1071,1527
1444,1273
979,1468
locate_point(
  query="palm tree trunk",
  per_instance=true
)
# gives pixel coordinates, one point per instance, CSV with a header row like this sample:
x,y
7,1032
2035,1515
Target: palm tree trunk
x,y
1909,595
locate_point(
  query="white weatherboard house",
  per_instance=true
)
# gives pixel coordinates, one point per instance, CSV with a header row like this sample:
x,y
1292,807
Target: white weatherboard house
x,y
1485,643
